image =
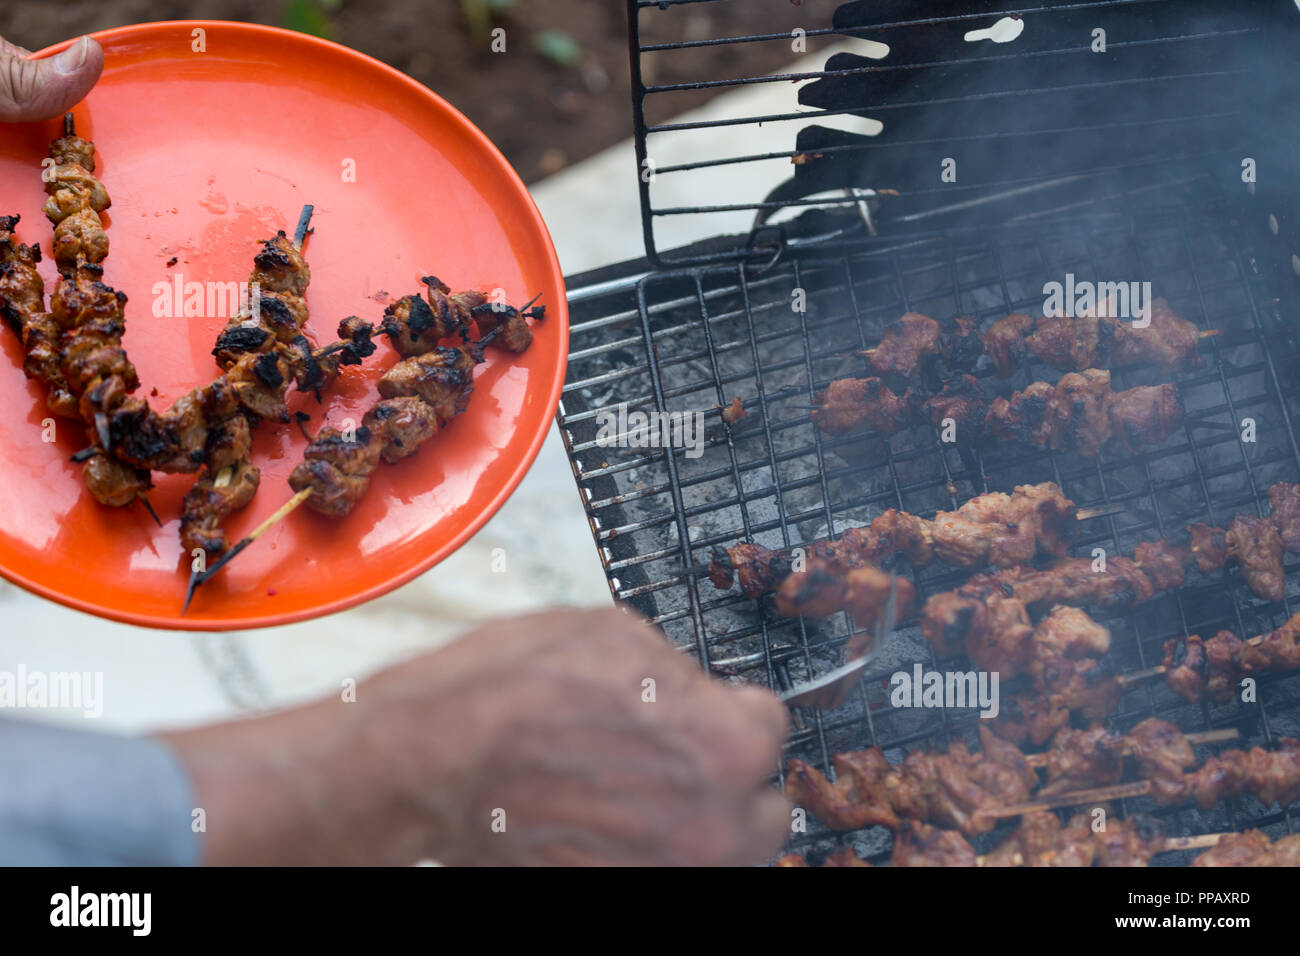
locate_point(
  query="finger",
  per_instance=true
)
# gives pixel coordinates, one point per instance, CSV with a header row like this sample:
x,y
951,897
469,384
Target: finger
x,y
769,826
763,710
33,90
13,49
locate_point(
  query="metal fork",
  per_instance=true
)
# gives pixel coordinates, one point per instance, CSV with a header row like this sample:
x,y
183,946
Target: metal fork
x,y
832,689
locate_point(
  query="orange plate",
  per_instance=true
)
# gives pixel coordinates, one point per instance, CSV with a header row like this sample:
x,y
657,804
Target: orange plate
x,y
205,154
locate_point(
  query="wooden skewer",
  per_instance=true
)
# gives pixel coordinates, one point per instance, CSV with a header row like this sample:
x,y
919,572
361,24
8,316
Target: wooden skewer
x,y
1193,842
1135,677
1076,798
1203,737
101,420
1171,844
283,511
226,475
148,506
1082,514
199,578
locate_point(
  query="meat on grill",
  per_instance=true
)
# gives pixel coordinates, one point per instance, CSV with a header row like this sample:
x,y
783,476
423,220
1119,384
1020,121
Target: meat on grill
x,y
1257,546
951,788
913,339
1199,668
1251,848
1284,500
911,344
1080,412
848,402
994,528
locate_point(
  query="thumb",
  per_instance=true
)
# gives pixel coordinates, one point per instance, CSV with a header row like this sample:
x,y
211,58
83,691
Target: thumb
x,y
33,90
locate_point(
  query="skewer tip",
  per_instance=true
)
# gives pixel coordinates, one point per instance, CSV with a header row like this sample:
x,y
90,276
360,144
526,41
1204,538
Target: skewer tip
x,y
304,225
196,578
201,578
148,506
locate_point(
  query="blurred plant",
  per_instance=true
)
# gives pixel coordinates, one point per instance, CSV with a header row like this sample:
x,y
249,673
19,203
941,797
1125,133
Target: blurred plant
x,y
479,15
310,16
558,47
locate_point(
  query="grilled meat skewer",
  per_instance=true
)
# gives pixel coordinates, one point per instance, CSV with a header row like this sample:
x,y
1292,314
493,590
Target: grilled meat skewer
x,y
963,791
1080,412
994,528
988,616
1039,840
75,348
911,344
966,793
1251,848
1070,680
419,396
1272,776
1199,668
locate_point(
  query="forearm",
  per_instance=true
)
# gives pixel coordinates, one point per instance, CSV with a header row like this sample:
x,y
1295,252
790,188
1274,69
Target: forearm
x,y
302,787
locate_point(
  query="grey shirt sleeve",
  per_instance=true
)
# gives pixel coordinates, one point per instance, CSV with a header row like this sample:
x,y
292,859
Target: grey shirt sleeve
x,y
72,798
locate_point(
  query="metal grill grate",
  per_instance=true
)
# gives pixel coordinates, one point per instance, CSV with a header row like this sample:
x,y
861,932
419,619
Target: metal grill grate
x,y
695,338
1028,120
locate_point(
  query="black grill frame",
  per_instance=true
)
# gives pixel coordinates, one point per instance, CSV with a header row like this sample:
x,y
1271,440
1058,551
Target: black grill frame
x,y
1230,269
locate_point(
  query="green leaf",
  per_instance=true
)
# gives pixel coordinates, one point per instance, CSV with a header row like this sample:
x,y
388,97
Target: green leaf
x,y
306,17
558,47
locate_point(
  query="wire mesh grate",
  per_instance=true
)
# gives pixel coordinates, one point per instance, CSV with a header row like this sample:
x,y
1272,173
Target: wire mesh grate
x,y
692,340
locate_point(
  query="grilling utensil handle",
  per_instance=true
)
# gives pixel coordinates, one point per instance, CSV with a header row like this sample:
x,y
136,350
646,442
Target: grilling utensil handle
x,y
832,689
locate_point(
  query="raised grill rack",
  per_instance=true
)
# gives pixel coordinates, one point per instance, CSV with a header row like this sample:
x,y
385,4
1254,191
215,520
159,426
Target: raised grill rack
x,y
693,337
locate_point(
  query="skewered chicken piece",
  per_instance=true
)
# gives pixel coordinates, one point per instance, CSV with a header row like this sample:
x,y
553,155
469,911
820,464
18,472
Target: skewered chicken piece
x,y
966,792
420,395
1257,546
989,615
1251,848
1070,680
22,306
910,346
1079,413
254,351
75,349
1284,502
994,528
1199,668
1272,776
953,789
415,327
909,343
76,200
1041,840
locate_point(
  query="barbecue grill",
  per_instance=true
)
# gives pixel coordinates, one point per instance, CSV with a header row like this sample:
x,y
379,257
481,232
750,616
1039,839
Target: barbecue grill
x,y
1130,164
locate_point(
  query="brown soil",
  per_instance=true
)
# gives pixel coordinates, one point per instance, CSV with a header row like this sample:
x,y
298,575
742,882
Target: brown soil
x,y
543,115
